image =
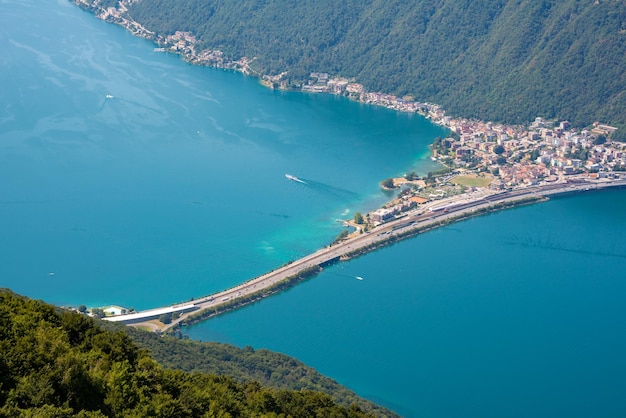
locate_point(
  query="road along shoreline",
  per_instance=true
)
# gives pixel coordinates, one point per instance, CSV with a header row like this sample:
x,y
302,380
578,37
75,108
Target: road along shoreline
x,y
294,272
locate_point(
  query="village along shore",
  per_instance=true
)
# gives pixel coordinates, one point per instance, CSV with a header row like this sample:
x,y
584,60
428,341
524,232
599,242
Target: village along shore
x,y
514,155
484,166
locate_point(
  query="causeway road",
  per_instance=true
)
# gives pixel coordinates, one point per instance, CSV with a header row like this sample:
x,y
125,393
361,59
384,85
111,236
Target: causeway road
x,y
429,216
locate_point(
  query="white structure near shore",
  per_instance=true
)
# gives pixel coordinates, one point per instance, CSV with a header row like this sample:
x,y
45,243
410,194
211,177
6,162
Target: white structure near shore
x,y
151,314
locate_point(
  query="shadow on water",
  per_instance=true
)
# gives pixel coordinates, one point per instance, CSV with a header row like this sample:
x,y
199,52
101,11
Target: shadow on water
x,y
552,245
273,214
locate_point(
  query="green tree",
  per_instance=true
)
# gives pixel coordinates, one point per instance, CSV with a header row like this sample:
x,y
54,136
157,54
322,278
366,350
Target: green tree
x,y
166,318
388,183
534,155
404,192
358,218
599,140
57,363
342,235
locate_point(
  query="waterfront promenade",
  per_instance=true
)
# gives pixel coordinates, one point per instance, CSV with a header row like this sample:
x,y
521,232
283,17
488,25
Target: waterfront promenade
x,y
426,217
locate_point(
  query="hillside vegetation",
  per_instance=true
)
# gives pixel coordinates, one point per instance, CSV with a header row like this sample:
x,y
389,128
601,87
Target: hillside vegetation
x,y
500,60
59,363
271,369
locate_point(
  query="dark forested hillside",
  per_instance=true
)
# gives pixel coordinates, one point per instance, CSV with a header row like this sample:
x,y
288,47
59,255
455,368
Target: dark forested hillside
x,y
56,363
271,369
501,60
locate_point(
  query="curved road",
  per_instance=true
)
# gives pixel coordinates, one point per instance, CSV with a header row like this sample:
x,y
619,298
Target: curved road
x,y
447,209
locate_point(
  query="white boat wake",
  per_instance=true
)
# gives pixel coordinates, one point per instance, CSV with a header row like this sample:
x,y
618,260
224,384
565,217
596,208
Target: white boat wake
x,y
294,178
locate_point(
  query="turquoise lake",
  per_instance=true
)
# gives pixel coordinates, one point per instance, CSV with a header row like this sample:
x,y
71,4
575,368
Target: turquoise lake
x,y
516,314
130,177
140,180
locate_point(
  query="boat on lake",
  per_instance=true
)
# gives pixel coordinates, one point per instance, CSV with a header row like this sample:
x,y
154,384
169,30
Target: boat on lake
x,y
294,178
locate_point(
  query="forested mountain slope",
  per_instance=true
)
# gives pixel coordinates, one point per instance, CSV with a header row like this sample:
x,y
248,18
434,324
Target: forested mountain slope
x,y
271,369
59,363
501,60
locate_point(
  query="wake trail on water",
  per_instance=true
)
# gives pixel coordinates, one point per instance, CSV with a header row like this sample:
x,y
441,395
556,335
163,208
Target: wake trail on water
x,y
350,276
329,190
109,98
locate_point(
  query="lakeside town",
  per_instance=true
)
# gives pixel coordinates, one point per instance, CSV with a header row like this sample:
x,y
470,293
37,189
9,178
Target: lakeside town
x,y
478,159
483,157
514,156
475,157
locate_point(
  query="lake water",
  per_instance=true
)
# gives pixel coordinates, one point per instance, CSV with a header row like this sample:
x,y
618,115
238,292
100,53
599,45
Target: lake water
x,y
174,188
516,314
140,180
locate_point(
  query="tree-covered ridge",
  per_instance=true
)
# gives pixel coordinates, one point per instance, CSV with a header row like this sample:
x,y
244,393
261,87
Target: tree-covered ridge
x,y
244,364
59,363
500,60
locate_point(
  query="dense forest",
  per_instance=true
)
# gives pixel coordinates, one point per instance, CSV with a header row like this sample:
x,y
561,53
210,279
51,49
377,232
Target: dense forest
x,y
271,369
500,60
59,363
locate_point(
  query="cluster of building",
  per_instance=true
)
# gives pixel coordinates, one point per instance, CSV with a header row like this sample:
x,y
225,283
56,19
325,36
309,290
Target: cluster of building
x,y
323,83
115,15
516,155
396,207
543,151
181,42
184,43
